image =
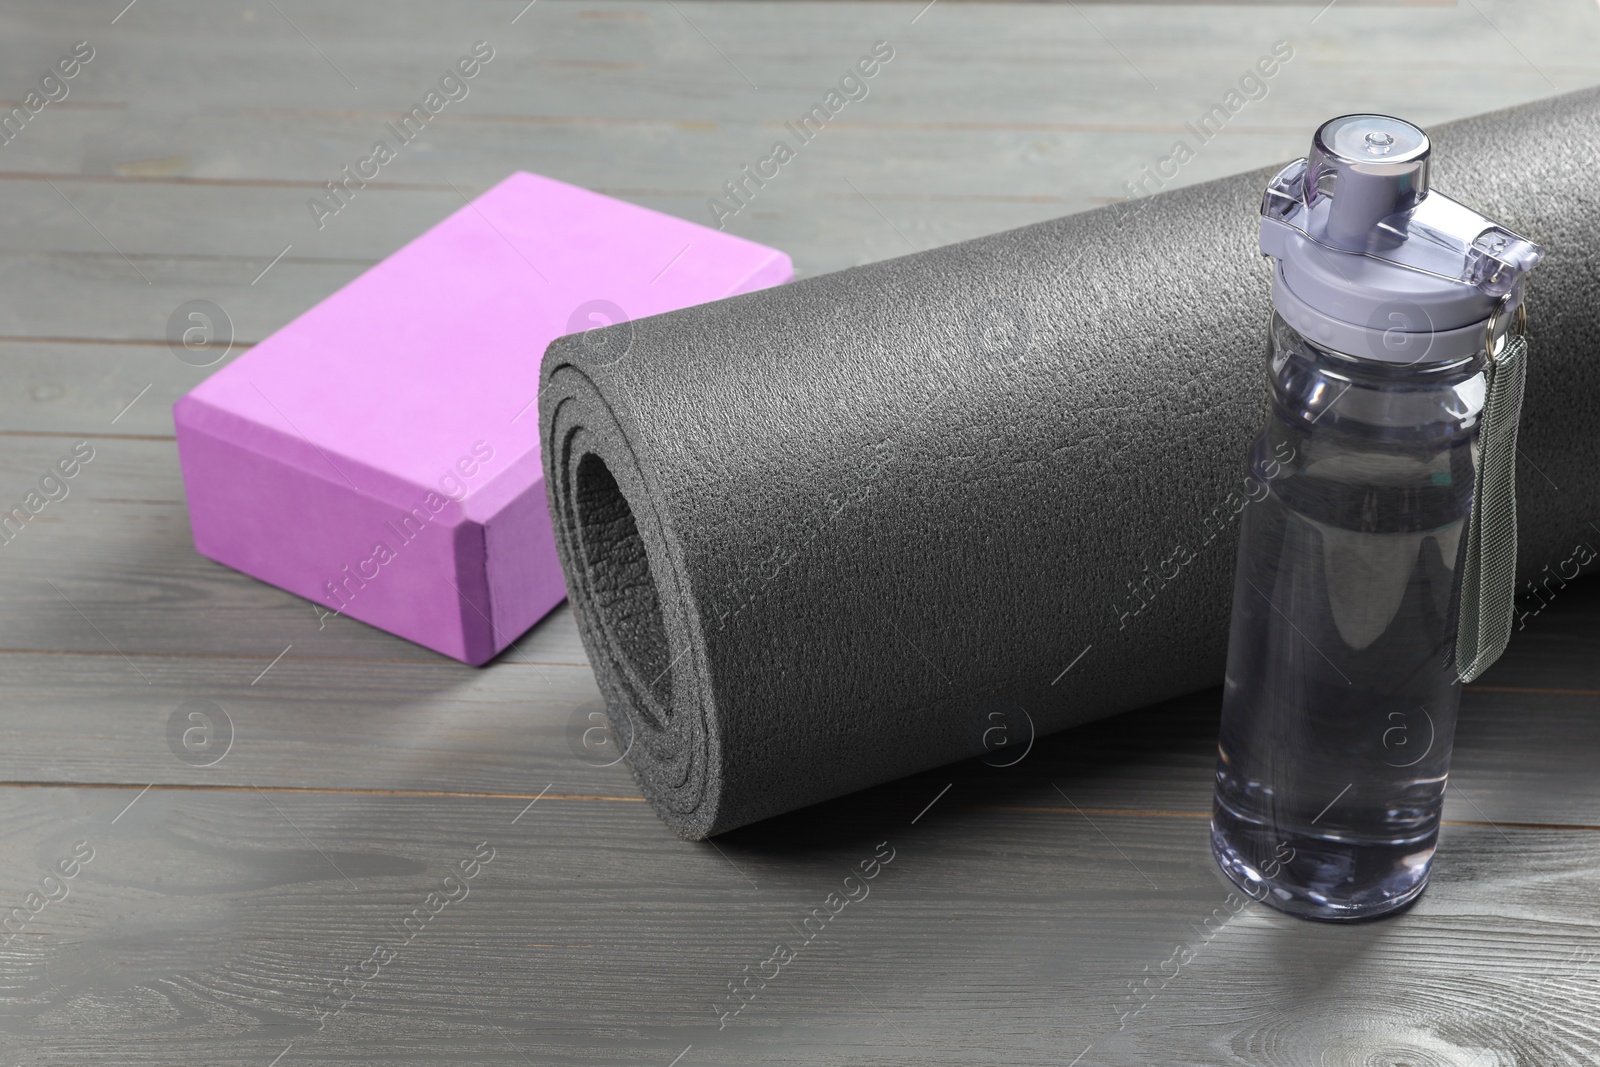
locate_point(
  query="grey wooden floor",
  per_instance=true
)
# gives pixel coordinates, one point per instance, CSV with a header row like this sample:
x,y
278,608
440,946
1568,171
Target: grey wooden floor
x,y
1061,911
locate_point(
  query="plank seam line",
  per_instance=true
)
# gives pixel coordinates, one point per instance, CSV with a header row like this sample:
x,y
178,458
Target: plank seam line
x,y
600,797
42,339
1158,813
1527,690
237,657
188,787
52,434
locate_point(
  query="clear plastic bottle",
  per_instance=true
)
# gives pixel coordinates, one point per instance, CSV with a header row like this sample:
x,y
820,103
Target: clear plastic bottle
x,y
1341,693
1340,700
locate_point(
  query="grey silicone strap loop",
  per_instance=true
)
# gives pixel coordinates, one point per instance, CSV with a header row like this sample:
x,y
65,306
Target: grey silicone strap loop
x,y
1488,578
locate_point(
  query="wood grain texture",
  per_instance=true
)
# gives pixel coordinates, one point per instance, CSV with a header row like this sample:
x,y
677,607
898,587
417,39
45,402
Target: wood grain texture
x,y
1007,937
1032,914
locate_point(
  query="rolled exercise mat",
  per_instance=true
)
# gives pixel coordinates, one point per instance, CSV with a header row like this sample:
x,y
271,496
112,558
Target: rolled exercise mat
x,y
815,535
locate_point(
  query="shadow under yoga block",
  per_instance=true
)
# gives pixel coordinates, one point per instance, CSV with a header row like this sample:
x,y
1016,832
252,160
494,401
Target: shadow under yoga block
x,y
379,455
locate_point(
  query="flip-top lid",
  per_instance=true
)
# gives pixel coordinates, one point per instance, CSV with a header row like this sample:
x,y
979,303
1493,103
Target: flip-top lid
x,y
1373,259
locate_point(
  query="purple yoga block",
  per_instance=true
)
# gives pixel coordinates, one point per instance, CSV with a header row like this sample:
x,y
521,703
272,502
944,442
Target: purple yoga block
x,y
379,455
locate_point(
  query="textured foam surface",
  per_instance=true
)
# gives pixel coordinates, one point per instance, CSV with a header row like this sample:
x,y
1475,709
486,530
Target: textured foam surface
x,y
816,535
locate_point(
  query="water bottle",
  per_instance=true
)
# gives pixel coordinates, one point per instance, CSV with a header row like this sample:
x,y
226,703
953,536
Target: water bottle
x,y
1393,308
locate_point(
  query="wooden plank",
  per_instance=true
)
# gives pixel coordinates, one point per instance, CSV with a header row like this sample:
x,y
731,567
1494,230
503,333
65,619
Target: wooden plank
x,y
676,173
565,52
253,224
76,390
695,155
108,298
303,722
220,920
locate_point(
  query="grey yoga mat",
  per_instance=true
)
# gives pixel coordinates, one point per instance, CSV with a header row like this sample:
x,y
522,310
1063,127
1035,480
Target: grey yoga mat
x,y
816,536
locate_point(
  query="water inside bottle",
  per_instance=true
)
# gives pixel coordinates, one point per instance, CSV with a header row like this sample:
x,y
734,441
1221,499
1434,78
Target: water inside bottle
x,y
1341,693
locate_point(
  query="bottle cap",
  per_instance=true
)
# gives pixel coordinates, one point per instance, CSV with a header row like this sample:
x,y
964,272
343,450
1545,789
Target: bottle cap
x,y
1370,261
